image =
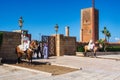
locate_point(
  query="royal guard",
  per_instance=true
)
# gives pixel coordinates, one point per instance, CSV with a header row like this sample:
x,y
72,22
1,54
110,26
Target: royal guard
x,y
26,42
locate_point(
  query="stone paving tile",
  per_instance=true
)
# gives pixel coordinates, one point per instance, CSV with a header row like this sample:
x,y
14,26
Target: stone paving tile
x,y
78,75
83,75
92,69
57,78
36,77
118,78
11,73
110,77
110,56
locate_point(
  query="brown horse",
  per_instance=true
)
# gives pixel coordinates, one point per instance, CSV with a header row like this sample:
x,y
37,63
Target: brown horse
x,y
28,53
94,50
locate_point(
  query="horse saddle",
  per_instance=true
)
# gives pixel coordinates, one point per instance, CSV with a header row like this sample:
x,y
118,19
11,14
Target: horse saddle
x,y
22,48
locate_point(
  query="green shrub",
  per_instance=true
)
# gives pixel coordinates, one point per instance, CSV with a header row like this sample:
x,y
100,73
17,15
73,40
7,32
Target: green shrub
x,y
80,49
113,48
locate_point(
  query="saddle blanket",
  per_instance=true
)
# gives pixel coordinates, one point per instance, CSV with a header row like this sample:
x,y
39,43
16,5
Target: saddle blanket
x,y
22,47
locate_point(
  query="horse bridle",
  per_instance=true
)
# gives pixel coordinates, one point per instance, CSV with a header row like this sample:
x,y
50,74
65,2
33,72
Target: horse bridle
x,y
32,48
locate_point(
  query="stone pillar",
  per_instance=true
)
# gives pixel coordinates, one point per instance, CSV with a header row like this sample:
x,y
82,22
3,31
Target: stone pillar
x,y
59,45
67,30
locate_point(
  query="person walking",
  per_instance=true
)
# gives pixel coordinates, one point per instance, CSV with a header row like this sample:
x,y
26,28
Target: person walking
x,y
45,51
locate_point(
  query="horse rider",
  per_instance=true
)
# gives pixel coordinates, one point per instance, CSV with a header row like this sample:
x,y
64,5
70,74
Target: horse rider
x,y
26,42
91,45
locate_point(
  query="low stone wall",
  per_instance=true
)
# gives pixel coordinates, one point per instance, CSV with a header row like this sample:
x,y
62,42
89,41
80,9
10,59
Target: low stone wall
x,y
9,42
69,45
81,54
107,53
65,45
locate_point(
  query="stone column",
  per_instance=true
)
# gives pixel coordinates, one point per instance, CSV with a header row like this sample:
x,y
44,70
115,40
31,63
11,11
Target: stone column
x,y
67,30
59,45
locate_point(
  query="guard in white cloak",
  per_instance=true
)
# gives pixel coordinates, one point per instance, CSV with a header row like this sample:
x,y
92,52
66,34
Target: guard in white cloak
x,y
26,42
91,45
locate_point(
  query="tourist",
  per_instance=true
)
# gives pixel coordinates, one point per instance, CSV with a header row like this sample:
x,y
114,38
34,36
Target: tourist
x,y
45,51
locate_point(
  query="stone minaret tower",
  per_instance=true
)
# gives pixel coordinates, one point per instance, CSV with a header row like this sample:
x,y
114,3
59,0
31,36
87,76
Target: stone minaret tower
x,y
89,24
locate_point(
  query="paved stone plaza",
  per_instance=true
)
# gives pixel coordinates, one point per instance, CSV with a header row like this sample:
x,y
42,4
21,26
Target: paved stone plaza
x,y
105,67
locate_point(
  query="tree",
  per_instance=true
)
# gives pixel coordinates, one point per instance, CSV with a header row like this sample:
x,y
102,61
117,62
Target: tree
x,y
106,33
103,43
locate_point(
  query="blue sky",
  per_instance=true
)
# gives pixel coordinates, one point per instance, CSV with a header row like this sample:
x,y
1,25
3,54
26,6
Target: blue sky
x,y
40,16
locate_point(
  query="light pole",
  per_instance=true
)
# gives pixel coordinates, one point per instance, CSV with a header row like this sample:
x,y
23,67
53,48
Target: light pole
x,y
21,25
21,22
40,36
56,28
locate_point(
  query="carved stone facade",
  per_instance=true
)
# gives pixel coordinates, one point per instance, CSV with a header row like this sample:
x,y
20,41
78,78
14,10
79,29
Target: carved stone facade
x,y
89,25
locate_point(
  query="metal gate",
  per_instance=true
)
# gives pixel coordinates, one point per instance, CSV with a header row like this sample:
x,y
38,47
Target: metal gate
x,y
50,40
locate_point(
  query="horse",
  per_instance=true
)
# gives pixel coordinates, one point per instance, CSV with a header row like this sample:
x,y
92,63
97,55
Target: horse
x,y
28,53
94,50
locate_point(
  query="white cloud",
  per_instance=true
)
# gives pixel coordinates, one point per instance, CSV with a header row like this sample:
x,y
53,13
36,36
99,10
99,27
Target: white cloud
x,y
116,38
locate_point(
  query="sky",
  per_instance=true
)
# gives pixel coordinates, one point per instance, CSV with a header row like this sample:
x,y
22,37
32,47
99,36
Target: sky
x,y
41,16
